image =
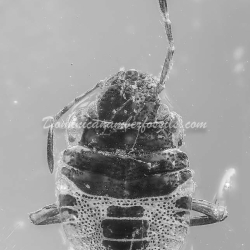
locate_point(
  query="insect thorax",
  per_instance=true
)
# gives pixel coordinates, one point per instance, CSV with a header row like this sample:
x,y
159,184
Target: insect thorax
x,y
127,115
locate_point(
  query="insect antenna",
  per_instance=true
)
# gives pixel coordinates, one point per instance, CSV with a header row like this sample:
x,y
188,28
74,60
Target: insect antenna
x,y
170,51
50,140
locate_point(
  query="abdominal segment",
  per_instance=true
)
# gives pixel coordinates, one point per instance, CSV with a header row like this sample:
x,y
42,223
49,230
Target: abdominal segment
x,y
124,177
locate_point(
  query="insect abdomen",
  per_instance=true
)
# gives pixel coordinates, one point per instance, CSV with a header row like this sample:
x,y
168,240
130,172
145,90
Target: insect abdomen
x,y
124,203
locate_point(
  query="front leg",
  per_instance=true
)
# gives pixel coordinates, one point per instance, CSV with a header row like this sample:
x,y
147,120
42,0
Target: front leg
x,y
46,215
213,213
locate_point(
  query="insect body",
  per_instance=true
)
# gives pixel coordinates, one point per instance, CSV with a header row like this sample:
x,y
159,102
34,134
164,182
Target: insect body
x,y
123,183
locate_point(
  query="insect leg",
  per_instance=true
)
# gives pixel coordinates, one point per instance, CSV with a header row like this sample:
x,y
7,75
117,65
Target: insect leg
x,y
50,140
213,213
46,215
170,52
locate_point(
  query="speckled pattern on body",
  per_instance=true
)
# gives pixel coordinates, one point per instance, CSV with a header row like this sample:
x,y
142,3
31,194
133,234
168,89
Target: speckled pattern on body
x,y
148,171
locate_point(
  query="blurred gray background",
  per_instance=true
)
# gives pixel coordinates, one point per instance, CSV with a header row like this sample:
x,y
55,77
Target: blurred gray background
x,y
52,51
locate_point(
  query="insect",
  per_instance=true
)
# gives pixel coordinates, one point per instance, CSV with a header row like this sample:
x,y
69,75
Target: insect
x,y
123,183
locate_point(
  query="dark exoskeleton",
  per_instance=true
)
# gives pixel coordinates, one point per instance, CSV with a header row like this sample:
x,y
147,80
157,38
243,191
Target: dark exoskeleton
x,y
123,183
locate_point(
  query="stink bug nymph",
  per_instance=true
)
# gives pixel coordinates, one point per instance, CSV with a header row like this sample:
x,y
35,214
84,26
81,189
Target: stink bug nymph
x,y
123,183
